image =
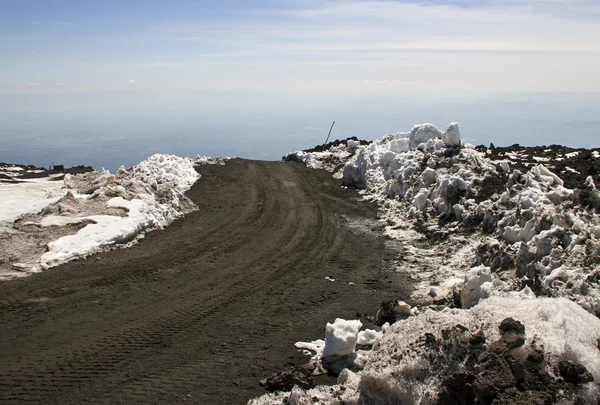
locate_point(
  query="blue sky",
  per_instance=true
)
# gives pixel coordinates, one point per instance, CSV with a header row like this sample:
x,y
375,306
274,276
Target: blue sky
x,y
356,46
111,82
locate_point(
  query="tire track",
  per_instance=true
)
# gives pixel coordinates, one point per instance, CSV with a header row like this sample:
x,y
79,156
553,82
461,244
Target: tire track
x,y
240,229
144,331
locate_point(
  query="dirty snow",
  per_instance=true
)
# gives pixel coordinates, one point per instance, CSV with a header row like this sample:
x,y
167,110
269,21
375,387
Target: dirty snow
x,y
332,159
27,196
91,212
402,369
506,243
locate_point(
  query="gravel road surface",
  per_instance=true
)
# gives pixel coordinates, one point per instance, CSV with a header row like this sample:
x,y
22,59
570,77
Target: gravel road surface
x,y
202,310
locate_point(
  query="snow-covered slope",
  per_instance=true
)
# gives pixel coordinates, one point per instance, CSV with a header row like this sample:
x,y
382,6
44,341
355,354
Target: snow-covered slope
x,y
95,211
27,196
483,240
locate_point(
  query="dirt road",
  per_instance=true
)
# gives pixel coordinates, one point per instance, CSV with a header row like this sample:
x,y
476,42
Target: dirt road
x,y
201,311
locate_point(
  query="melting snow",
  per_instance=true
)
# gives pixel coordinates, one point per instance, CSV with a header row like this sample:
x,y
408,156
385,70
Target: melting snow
x,y
526,230
110,209
28,196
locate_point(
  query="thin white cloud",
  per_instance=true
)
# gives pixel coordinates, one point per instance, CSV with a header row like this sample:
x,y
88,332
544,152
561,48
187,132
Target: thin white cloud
x,y
437,44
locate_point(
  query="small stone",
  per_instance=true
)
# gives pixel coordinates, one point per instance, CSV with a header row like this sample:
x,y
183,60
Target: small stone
x,y
574,372
402,308
510,324
535,357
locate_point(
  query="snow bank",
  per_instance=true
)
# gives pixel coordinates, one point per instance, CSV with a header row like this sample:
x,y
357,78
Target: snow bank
x,y
332,159
28,196
539,224
417,359
151,193
110,209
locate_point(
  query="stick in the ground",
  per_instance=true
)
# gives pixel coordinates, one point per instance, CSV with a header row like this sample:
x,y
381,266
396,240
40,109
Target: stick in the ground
x,y
328,135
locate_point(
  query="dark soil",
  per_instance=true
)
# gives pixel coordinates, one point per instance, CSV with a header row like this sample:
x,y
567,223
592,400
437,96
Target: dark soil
x,y
494,375
337,142
583,162
202,311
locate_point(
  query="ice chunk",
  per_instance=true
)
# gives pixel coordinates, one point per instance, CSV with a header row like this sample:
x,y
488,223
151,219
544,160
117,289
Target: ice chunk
x,y
452,135
368,337
472,290
422,133
341,337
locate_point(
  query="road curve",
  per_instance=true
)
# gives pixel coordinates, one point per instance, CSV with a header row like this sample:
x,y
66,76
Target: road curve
x,y
202,310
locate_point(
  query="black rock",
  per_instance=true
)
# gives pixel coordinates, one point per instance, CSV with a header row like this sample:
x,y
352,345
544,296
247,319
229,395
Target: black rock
x,y
510,324
574,373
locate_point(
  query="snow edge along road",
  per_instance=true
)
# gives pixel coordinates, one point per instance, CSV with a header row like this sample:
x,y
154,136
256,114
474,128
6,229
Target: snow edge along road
x,y
95,211
494,248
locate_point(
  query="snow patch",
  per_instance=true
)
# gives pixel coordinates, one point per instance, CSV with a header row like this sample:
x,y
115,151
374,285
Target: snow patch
x,y
28,197
113,209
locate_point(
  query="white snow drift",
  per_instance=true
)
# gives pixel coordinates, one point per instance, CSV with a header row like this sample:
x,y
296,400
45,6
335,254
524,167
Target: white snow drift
x,y
429,181
28,196
426,175
110,209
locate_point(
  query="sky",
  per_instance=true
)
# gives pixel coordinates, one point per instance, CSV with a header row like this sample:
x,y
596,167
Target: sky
x,y
199,66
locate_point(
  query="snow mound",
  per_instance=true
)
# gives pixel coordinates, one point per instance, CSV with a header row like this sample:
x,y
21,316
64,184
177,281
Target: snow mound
x,y
101,210
502,347
526,224
27,196
332,159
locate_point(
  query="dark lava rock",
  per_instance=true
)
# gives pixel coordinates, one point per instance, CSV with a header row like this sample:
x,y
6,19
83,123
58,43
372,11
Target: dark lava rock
x,y
495,377
574,373
535,356
337,142
286,380
513,396
513,333
511,325
457,389
491,374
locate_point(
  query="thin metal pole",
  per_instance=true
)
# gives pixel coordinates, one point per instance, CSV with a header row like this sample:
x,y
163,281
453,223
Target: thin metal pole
x,y
328,135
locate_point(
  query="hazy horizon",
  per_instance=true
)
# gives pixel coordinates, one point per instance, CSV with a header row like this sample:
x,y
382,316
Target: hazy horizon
x,y
110,83
85,129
